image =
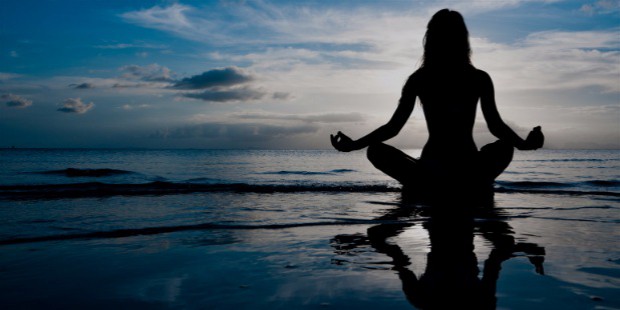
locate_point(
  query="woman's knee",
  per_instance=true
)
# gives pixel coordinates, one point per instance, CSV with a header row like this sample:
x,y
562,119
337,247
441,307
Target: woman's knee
x,y
496,157
506,149
500,148
374,151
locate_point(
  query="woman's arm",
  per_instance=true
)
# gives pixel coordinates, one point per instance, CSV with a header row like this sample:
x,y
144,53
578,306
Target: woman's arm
x,y
343,143
497,126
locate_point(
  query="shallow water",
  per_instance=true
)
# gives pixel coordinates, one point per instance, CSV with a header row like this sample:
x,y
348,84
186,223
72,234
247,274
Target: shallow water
x,y
305,229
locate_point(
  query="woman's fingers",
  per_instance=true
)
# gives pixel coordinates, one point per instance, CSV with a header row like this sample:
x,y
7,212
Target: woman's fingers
x,y
341,142
539,138
334,140
535,139
336,143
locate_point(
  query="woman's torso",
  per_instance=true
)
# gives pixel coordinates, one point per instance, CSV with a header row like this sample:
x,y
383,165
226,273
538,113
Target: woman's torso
x,y
449,99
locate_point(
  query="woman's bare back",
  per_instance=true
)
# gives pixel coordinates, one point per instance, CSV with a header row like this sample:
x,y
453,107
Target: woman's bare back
x,y
449,99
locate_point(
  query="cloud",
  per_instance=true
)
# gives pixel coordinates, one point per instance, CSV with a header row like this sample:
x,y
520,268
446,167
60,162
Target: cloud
x,y
75,105
326,50
232,94
14,101
128,107
281,95
235,132
480,6
130,85
4,76
149,73
564,40
224,85
600,7
309,118
319,47
602,110
229,76
333,59
131,45
283,24
170,18
553,60
83,86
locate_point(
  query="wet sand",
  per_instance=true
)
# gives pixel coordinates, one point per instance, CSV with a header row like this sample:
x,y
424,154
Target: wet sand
x,y
313,250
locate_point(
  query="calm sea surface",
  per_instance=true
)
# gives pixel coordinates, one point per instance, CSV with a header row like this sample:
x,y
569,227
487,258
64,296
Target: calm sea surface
x,y
249,229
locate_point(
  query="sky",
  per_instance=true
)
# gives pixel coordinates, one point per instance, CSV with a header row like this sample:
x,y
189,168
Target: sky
x,y
286,74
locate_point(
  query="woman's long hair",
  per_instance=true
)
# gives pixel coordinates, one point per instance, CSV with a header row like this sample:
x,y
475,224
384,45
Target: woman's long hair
x,y
446,43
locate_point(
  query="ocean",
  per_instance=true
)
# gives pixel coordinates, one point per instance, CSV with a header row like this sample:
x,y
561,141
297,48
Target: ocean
x,y
258,229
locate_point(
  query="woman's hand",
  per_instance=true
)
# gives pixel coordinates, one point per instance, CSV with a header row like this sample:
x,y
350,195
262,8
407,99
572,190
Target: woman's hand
x,y
535,139
342,142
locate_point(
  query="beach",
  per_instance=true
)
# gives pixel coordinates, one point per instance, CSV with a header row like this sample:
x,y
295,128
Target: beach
x,y
203,229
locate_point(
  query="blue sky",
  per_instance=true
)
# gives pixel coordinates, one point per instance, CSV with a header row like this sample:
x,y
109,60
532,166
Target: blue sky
x,y
285,74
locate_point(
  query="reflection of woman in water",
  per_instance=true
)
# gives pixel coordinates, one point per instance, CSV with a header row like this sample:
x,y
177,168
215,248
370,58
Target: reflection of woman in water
x,y
452,274
449,88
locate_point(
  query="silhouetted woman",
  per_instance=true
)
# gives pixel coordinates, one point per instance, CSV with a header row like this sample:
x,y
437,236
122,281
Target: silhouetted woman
x,y
449,88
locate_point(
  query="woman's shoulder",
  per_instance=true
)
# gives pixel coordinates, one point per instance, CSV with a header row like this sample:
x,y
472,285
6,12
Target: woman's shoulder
x,y
414,83
481,74
417,73
418,76
414,78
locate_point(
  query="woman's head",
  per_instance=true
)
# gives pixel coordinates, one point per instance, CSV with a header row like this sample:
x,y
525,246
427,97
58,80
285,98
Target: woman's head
x,y
446,42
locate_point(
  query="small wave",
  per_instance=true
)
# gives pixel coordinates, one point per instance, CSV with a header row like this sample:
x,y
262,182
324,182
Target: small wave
x,y
584,208
130,232
568,160
555,192
37,221
603,183
79,172
592,187
302,172
206,181
342,170
575,219
528,172
285,172
538,184
530,184
98,189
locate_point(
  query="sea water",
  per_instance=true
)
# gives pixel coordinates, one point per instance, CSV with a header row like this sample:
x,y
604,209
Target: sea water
x,y
292,229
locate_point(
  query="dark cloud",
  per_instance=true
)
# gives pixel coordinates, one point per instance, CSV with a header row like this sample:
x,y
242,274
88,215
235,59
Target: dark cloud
x,y
310,118
75,105
225,77
281,95
150,73
83,86
227,84
231,94
235,132
130,85
14,101
334,118
223,85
